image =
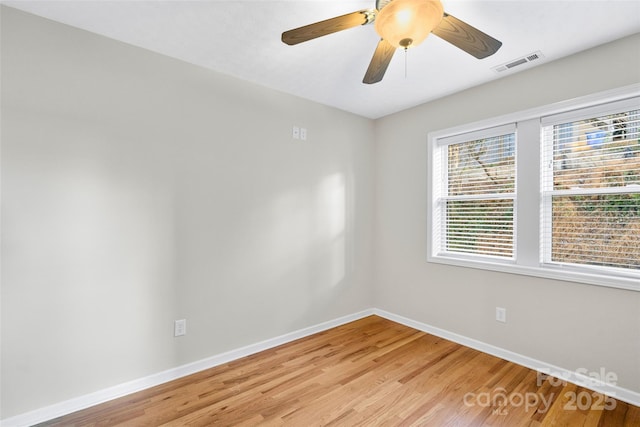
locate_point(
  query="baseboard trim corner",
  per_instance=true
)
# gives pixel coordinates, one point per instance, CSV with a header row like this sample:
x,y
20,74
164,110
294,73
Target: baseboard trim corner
x,y
82,402
617,392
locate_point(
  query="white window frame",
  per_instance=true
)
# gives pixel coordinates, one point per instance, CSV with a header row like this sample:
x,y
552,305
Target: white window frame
x,y
440,192
528,223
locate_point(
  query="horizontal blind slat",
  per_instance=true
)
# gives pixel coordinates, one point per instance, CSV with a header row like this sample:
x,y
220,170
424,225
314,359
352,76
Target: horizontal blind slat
x,y
591,187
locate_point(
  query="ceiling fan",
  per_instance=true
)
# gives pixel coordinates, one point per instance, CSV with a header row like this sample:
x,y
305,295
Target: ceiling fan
x,y
401,23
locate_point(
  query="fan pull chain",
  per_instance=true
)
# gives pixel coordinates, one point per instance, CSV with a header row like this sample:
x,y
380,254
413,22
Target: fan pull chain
x,y
405,62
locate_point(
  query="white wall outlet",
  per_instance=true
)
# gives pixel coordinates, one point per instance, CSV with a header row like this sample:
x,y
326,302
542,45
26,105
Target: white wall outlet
x,y
303,134
180,327
501,314
295,133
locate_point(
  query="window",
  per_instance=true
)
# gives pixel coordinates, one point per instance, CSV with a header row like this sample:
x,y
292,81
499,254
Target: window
x,y
551,192
591,189
479,193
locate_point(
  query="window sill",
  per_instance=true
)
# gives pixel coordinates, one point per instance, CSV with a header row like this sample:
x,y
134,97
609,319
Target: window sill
x,y
557,272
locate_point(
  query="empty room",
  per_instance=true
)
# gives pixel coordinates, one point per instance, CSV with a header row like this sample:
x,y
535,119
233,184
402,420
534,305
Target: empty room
x,y
313,213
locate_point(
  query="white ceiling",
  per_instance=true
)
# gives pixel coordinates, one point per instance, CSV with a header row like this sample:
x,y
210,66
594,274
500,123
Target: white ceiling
x,y
242,38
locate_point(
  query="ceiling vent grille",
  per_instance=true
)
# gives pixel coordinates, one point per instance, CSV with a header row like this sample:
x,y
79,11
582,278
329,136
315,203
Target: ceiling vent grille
x,y
535,56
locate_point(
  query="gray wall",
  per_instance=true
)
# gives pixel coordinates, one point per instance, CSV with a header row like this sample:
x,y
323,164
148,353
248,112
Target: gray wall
x,y
137,189
570,325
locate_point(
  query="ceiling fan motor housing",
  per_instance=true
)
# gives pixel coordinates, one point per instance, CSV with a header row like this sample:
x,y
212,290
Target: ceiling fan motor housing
x,y
408,22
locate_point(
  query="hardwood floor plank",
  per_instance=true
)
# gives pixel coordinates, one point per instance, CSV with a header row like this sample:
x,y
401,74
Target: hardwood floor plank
x,y
371,372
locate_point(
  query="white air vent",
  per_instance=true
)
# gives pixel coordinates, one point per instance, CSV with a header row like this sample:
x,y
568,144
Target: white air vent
x,y
535,56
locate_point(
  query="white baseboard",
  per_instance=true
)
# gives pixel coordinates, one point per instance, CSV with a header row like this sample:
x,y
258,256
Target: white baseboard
x,y
82,402
573,377
101,396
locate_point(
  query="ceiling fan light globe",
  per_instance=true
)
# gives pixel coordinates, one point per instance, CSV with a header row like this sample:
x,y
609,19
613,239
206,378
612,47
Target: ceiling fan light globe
x,y
408,19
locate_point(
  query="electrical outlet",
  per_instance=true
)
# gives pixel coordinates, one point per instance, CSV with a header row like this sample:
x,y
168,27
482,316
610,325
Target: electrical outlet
x,y
295,133
303,134
180,327
501,314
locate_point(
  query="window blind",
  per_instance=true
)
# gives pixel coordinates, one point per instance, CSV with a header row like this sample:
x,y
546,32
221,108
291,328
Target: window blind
x,y
591,190
479,196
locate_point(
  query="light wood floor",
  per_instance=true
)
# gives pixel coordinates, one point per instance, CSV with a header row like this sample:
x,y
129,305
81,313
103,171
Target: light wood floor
x,y
369,372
